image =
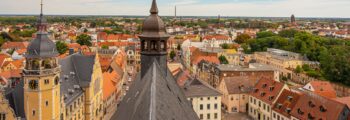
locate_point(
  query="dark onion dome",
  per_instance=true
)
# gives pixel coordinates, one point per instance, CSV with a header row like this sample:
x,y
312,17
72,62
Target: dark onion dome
x,y
41,46
153,26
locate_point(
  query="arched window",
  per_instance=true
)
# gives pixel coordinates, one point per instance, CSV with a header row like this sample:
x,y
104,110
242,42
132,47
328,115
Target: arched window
x,y
162,45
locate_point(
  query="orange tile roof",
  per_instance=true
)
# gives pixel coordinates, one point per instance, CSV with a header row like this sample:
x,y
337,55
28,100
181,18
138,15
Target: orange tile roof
x,y
109,87
212,59
11,73
21,51
116,44
324,89
3,57
217,37
15,45
267,90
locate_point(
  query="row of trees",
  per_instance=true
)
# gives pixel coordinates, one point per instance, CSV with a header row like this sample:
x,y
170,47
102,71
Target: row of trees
x,y
333,54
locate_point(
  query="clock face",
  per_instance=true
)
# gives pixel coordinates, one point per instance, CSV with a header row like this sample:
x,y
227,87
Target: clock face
x,y
33,84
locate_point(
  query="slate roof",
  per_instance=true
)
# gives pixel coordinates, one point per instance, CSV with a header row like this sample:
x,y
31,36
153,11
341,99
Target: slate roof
x,y
41,46
76,70
197,88
155,97
15,96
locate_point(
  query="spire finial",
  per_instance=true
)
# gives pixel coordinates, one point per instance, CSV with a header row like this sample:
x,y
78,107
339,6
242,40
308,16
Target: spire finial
x,y
154,9
41,9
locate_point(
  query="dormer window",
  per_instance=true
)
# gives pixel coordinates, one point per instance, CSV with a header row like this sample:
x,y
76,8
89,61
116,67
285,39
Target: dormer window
x,y
290,98
264,85
311,104
256,90
322,109
262,94
300,112
288,110
271,98
310,117
279,106
272,88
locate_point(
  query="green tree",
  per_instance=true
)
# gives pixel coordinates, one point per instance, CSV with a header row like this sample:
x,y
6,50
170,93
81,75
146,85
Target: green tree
x,y
298,69
223,60
225,46
2,40
172,55
84,39
61,47
335,64
265,34
306,67
105,47
288,33
242,38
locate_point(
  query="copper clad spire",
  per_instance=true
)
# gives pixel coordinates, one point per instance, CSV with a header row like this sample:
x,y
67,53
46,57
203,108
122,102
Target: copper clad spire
x,y
154,9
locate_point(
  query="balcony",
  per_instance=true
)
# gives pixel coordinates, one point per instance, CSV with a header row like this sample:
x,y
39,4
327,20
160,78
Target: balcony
x,y
41,72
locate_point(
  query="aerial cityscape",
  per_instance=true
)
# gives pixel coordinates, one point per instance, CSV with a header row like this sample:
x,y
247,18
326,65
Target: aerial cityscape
x,y
175,60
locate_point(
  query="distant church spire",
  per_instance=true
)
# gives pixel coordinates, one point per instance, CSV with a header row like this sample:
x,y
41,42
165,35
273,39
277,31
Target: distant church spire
x,y
42,23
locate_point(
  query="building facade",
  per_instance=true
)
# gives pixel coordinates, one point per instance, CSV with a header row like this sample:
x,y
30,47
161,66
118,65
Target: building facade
x,y
206,100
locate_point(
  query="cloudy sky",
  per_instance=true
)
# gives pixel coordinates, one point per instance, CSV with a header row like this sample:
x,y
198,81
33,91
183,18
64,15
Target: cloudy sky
x,y
261,8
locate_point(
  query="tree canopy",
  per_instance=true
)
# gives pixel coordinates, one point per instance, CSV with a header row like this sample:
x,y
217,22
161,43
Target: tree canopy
x,y
84,39
61,47
242,38
333,54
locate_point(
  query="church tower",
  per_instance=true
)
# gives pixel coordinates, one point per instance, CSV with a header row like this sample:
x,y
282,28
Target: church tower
x,y
41,76
153,41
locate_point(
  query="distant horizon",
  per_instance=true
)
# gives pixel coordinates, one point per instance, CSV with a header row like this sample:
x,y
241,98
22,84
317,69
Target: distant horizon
x,y
189,16
244,8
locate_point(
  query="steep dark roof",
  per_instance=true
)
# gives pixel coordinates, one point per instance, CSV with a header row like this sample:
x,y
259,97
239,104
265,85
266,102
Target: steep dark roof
x,y
153,26
197,88
15,96
76,73
82,65
155,97
41,47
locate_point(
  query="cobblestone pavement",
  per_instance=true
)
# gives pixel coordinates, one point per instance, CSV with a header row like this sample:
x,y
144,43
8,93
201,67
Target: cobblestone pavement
x,y
235,116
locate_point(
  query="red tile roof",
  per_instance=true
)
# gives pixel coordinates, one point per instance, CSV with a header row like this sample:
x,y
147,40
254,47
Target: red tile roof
x,y
286,102
216,37
324,89
267,90
15,45
314,106
344,100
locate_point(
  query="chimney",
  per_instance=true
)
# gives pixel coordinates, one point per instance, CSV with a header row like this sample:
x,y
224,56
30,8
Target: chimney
x,y
71,51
